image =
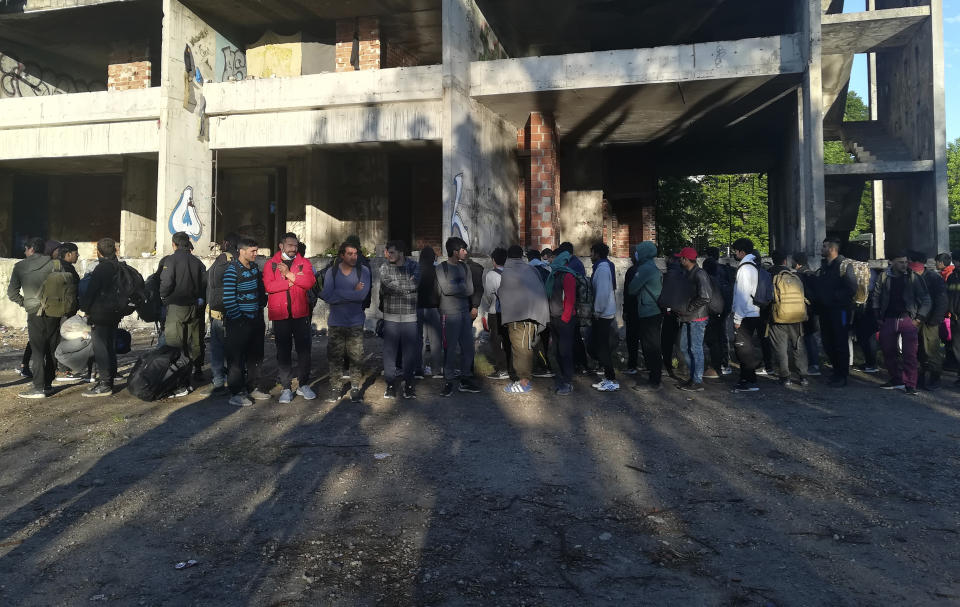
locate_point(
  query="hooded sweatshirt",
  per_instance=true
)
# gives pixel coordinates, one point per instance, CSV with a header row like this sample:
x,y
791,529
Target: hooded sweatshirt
x,y
604,287
522,294
29,275
744,290
647,282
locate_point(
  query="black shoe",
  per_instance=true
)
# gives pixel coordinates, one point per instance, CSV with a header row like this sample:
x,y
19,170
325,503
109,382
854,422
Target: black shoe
x,y
99,390
197,374
499,375
335,395
838,382
409,391
390,392
355,396
25,372
933,384
745,386
690,386
418,374
468,386
648,387
910,391
447,389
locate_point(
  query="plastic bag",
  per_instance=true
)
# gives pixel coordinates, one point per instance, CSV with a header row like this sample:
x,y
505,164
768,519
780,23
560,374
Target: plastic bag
x,y
75,327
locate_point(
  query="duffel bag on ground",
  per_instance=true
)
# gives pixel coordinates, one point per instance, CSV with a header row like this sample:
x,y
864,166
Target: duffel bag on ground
x,y
159,373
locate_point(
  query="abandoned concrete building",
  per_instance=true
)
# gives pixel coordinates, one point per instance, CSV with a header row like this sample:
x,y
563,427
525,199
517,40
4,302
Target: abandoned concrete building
x,y
501,121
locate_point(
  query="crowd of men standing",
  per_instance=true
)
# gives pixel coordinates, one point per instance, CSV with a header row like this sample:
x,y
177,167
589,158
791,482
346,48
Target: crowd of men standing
x,y
545,316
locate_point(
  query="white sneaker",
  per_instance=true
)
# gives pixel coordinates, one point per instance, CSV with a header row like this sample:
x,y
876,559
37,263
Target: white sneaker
x,y
727,371
181,392
286,396
306,392
762,372
608,385
598,384
259,394
241,400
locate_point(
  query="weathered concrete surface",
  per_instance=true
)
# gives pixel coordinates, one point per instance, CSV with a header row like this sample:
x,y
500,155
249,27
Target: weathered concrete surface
x,y
581,219
855,33
820,497
880,170
81,108
117,138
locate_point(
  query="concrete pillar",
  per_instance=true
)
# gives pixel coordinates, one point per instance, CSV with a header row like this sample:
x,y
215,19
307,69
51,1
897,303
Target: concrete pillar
x,y
811,227
364,34
319,230
185,174
879,245
138,205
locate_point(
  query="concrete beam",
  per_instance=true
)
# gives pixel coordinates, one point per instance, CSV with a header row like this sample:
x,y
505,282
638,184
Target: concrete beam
x,y
853,33
879,170
769,56
80,140
378,123
80,108
325,90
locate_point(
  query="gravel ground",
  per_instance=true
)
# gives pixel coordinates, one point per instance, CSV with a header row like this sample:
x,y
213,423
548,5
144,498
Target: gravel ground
x,y
784,497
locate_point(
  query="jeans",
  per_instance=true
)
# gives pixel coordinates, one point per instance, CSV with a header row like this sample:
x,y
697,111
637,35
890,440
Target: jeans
x,y
429,327
288,333
745,348
716,339
345,352
244,347
561,348
522,351
218,362
835,332
787,344
600,345
457,333
105,352
649,329
812,348
691,343
903,328
400,337
44,335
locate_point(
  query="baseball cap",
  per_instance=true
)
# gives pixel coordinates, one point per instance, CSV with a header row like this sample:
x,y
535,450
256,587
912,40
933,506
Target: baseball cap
x,y
688,252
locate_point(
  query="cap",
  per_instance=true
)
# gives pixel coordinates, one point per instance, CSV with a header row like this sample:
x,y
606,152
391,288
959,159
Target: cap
x,y
688,252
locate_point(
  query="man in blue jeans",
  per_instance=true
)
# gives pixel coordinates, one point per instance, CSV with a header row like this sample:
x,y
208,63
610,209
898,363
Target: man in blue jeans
x,y
455,285
693,319
218,361
399,280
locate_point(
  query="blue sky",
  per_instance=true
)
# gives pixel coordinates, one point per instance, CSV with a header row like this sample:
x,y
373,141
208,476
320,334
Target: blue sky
x,y
951,39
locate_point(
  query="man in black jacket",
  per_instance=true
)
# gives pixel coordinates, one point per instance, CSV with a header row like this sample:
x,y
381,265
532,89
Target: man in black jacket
x,y
218,364
183,289
931,354
104,321
693,319
836,288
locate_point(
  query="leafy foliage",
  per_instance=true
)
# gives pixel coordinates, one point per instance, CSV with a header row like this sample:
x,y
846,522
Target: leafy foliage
x,y
953,179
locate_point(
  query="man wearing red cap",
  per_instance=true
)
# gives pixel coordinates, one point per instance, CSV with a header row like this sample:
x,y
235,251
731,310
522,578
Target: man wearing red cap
x,y
693,319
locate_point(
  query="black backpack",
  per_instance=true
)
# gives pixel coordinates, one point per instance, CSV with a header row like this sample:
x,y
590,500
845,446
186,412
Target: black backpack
x,y
151,308
159,373
121,298
717,303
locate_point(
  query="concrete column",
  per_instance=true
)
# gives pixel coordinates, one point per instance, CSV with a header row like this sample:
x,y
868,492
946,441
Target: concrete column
x,y
940,207
185,174
811,227
879,245
319,233
138,220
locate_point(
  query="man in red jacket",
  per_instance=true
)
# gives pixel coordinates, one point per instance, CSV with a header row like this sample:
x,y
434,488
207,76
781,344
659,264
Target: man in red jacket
x,y
287,277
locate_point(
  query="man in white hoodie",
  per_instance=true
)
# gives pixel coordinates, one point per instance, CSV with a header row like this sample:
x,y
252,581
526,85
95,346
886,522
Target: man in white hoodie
x,y
746,314
604,314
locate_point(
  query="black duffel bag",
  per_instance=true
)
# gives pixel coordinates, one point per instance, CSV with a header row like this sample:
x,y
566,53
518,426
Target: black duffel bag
x,y
159,373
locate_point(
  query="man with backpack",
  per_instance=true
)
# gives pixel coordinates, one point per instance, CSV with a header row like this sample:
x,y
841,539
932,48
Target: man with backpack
x,y
287,278
183,287
715,337
100,302
243,300
499,338
525,313
693,318
27,283
561,290
788,312
931,353
399,280
746,312
604,280
836,289
456,287
902,304
346,286
645,286
218,365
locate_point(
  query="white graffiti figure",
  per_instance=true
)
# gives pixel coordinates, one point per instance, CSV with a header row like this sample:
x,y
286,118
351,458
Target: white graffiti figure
x,y
185,217
458,225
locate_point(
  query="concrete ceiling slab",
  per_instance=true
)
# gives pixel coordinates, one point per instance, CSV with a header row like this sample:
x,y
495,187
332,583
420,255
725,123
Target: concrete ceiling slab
x,y
547,27
853,33
81,165
280,156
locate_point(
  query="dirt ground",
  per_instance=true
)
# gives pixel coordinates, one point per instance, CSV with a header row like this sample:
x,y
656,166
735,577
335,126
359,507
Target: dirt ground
x,y
784,497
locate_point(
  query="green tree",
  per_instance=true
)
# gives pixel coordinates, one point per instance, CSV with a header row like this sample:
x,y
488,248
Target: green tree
x,y
953,179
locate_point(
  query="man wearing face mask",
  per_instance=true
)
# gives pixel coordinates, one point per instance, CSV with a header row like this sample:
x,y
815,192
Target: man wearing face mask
x,y
287,278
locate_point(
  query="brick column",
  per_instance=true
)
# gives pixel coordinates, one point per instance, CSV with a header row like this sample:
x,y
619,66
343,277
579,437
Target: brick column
x,y
126,76
367,30
539,206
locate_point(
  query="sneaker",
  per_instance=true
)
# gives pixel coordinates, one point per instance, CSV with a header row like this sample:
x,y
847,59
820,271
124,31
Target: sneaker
x,y
631,371
608,385
711,374
335,395
690,386
646,388
871,370
286,396
727,370
803,382
517,388
546,373
814,371
355,396
25,372
745,386
181,392
468,386
345,376
892,385
240,400
597,385
499,375
447,389
258,394
565,390
418,374
99,390
391,392
70,377
427,371
910,391
766,373
409,391
34,394
306,392
218,390
838,382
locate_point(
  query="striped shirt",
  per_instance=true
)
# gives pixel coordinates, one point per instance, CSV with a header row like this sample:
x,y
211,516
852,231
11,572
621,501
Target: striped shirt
x,y
243,293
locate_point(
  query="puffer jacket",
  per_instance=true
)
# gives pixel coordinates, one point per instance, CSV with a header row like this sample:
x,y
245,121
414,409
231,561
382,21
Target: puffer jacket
x,y
285,300
700,294
916,300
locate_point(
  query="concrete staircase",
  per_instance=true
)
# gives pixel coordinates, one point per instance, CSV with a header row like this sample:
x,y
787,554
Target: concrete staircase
x,y
869,142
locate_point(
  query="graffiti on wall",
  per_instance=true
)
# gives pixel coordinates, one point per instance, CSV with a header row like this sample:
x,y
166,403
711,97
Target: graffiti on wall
x,y
234,64
459,225
185,218
19,79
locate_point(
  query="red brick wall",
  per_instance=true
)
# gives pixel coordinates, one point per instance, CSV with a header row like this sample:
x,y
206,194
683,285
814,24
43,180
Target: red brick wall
x,y
126,76
625,224
539,206
368,30
395,55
